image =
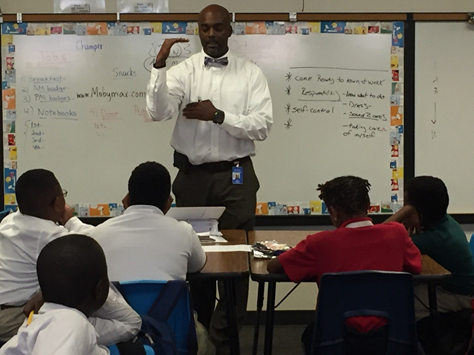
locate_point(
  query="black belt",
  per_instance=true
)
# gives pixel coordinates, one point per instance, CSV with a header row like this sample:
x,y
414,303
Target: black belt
x,y
7,306
181,161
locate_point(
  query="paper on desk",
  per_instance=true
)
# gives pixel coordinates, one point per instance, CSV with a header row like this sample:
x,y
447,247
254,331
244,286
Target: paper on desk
x,y
222,248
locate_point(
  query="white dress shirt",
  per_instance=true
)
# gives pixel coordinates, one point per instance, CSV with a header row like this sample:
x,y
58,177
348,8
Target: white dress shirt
x,y
115,321
239,89
143,244
22,238
55,330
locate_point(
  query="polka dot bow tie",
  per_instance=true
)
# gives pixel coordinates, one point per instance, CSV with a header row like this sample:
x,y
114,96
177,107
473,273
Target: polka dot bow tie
x,y
211,62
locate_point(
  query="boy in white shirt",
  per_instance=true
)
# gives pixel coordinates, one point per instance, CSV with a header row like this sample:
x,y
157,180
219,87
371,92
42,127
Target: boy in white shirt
x,y
44,216
72,273
152,245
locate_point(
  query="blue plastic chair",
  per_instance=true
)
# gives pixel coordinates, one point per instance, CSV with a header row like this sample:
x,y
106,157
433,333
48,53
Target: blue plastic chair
x,y
142,294
115,351
365,293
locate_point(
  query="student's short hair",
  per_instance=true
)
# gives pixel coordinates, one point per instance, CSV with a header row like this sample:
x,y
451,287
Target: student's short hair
x,y
347,193
69,269
429,195
149,184
36,189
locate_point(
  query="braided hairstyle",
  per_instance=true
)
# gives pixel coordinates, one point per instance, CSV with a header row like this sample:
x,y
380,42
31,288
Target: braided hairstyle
x,y
347,193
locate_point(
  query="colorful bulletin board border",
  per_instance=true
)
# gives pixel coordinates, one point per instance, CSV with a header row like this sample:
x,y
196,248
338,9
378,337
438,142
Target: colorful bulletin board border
x,y
394,148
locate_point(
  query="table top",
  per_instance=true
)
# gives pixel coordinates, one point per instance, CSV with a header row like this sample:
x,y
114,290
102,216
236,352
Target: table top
x,y
221,265
431,271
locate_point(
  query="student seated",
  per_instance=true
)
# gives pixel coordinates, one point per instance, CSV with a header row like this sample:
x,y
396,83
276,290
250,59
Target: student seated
x,y
355,244
72,274
152,245
438,235
44,216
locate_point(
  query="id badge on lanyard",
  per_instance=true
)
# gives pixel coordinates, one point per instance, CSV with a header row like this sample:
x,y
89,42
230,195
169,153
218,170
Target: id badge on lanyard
x,y
237,174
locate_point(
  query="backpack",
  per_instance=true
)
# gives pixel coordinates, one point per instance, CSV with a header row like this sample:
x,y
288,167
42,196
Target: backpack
x,y
158,335
155,332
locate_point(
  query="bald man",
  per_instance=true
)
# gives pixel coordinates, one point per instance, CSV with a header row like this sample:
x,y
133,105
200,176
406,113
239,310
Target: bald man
x,y
222,105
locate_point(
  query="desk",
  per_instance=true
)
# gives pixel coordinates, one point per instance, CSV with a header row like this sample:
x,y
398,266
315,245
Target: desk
x,y
432,273
228,267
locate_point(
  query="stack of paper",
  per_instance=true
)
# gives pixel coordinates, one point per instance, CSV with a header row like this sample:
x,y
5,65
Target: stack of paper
x,y
203,219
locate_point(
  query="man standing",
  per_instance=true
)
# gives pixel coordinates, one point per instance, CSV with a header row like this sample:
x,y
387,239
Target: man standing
x,y
222,104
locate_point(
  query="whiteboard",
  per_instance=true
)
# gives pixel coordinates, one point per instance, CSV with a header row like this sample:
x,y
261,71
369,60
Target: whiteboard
x,y
81,111
444,118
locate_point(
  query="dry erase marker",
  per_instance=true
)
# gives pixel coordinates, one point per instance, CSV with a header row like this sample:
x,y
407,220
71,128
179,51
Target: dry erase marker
x,y
199,98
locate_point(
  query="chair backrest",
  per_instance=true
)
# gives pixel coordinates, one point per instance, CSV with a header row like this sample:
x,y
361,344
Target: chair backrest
x,y
141,295
376,293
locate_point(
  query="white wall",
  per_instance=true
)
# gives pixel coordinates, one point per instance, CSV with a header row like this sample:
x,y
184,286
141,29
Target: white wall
x,y
46,6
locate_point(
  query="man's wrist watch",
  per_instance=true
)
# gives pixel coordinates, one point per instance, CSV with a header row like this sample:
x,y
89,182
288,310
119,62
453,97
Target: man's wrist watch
x,y
218,117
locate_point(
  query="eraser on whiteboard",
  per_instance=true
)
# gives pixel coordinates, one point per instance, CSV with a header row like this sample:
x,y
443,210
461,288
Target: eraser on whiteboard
x,y
19,18
293,17
118,16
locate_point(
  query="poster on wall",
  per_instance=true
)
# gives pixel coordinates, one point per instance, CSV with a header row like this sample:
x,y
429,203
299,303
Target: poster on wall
x,y
79,6
142,6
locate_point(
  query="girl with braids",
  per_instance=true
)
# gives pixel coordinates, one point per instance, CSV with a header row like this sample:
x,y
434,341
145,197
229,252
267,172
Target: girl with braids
x,y
355,244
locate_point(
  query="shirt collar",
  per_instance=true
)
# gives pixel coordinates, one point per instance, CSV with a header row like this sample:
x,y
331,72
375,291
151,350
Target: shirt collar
x,y
143,209
48,306
357,223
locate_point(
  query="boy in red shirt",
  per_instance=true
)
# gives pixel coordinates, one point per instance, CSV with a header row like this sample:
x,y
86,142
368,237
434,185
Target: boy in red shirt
x,y
355,244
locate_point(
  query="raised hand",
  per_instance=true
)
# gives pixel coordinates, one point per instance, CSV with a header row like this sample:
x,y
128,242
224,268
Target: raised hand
x,y
166,49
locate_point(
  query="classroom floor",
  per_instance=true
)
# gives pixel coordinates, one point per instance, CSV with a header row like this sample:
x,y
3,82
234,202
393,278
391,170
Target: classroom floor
x,y
286,340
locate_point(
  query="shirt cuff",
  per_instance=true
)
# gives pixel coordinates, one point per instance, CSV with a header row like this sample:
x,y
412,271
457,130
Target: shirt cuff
x,y
230,120
158,76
